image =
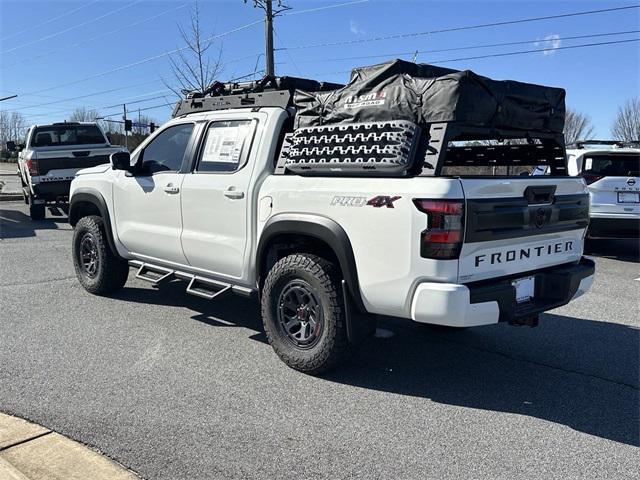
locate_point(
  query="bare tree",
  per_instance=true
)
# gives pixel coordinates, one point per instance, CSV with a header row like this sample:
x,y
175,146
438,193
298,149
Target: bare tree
x,y
12,127
142,120
196,66
83,114
577,126
112,126
626,126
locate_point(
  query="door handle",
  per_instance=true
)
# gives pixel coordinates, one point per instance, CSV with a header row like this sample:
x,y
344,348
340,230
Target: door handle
x,y
170,188
231,192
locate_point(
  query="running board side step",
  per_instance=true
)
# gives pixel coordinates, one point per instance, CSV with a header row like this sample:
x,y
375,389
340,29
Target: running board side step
x,y
153,274
199,286
205,288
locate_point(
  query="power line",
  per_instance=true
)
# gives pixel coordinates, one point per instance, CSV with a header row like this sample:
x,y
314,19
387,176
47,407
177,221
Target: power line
x,y
102,35
164,54
69,110
311,10
539,50
73,27
470,47
140,109
34,27
288,54
506,54
174,102
143,61
456,29
102,92
66,111
63,100
137,101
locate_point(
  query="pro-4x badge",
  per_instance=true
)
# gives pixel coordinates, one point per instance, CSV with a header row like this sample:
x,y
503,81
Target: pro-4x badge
x,y
382,201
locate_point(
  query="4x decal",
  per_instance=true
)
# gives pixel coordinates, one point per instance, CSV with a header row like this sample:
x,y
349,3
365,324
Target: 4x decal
x,y
382,201
377,202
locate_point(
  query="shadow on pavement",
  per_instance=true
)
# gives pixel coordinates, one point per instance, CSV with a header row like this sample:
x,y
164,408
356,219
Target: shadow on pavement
x,y
627,250
574,372
16,224
230,311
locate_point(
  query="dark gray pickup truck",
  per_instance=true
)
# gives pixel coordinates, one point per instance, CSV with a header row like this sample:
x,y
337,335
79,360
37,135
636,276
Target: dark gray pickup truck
x,y
50,158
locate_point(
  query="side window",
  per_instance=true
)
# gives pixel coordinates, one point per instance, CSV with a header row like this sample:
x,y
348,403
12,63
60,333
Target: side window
x,y
166,151
226,146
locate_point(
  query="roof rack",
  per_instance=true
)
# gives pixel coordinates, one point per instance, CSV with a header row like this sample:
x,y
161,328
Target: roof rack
x,y
266,92
616,143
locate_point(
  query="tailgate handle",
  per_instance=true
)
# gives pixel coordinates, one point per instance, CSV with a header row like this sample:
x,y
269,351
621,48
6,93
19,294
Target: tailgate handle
x,y
81,154
540,195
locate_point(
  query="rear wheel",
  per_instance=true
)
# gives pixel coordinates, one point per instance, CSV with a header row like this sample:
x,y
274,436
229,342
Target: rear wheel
x,y
36,212
99,271
303,313
25,196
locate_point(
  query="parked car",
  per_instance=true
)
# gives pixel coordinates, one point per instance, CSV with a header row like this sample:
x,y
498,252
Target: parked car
x,y
230,196
50,158
611,170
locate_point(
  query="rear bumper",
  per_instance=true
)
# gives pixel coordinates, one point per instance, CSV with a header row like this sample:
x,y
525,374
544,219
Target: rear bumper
x,y
52,191
614,226
493,301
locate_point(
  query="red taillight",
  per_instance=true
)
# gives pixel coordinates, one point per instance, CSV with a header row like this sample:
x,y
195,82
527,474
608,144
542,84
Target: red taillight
x,y
32,165
445,220
589,178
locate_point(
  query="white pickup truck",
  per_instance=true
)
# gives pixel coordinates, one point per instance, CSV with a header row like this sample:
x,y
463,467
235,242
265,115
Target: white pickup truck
x,y
50,158
207,198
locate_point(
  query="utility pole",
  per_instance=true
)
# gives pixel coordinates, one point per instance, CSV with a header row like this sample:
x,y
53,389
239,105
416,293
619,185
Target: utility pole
x,y
126,132
268,32
269,15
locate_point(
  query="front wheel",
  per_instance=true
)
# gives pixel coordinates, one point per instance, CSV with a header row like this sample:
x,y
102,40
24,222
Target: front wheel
x,y
303,313
99,271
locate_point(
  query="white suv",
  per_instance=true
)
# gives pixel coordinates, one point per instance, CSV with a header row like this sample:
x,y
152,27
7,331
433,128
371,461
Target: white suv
x,y
611,171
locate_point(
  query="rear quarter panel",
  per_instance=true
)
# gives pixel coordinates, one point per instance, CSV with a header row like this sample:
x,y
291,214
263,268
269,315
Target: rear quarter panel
x,y
385,240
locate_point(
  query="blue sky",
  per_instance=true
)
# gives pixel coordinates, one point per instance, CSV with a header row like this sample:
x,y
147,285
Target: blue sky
x,y
46,59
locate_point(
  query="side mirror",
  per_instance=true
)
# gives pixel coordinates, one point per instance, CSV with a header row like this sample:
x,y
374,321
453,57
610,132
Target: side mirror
x,y
11,146
121,161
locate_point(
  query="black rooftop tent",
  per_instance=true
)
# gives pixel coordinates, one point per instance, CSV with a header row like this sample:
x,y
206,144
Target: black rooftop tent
x,y
424,94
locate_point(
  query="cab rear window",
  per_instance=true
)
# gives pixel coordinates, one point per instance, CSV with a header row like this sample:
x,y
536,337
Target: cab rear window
x,y
627,165
58,135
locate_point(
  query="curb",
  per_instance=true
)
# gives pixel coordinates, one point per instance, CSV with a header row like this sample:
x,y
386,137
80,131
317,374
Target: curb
x,y
7,197
30,451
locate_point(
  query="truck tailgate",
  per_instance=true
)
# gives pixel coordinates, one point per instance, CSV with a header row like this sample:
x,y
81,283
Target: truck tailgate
x,y
50,161
518,225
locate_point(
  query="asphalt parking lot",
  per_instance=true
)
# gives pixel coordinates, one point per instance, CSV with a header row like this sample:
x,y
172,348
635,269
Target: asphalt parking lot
x,y
176,387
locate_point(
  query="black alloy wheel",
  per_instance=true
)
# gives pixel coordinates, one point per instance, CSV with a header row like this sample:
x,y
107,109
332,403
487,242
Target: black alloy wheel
x,y
300,314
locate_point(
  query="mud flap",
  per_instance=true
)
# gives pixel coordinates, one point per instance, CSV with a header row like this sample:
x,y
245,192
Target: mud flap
x,y
359,325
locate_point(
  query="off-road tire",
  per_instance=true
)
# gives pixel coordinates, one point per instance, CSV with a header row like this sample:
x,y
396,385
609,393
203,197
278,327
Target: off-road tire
x,y
36,212
323,277
111,271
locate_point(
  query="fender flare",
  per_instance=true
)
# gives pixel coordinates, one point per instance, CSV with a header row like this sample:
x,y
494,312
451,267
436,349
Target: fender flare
x,y
87,195
321,228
